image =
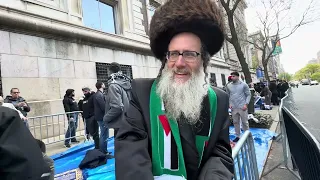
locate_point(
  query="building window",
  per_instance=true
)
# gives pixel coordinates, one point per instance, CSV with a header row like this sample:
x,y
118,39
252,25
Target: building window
x,y
223,77
213,77
152,8
99,15
103,72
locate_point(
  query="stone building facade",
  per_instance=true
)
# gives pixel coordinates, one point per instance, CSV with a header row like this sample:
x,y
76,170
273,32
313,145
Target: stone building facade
x,y
48,46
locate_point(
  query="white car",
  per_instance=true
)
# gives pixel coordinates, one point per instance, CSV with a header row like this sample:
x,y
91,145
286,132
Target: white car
x,y
314,83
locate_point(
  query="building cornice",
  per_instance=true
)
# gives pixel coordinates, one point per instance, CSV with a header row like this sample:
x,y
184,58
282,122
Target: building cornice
x,y
16,20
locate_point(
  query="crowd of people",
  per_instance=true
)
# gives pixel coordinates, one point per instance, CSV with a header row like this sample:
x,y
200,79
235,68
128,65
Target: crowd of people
x,y
272,93
100,110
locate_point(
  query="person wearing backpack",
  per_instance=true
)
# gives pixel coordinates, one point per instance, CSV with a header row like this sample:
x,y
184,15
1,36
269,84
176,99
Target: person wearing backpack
x,y
118,97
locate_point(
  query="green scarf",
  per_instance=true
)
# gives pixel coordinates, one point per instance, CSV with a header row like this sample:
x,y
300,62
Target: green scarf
x,y
167,152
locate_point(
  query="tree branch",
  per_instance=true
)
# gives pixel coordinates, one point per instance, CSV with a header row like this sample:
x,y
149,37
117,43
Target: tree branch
x,y
228,39
235,5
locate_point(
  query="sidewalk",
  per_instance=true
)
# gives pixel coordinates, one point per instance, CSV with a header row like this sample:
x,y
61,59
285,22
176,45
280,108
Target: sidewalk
x,y
276,153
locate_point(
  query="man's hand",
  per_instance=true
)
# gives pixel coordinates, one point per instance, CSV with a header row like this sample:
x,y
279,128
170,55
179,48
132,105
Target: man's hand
x,y
230,106
24,118
21,104
245,107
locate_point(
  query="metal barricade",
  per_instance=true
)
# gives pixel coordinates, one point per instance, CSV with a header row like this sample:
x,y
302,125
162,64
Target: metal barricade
x,y
52,128
304,147
298,144
245,160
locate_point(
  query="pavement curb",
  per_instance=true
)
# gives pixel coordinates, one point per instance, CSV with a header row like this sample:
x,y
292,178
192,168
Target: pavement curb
x,y
273,128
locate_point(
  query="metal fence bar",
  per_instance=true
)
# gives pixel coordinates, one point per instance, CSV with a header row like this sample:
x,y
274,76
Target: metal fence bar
x,y
304,147
244,157
45,130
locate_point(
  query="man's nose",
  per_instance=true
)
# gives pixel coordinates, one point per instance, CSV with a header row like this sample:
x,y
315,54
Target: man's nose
x,y
180,63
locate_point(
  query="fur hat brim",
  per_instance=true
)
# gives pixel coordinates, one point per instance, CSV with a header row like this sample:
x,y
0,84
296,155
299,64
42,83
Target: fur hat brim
x,y
200,17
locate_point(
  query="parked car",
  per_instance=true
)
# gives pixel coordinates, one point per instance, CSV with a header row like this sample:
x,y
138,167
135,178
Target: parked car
x,y
305,82
314,83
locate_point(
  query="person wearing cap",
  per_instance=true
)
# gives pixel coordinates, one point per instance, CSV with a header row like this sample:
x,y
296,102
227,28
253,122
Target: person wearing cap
x,y
86,105
176,126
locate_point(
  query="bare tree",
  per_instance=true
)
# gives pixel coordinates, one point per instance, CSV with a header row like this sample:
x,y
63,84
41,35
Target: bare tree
x,y
232,35
277,23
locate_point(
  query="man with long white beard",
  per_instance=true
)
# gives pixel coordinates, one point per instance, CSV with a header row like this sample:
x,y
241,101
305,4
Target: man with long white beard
x,y
177,125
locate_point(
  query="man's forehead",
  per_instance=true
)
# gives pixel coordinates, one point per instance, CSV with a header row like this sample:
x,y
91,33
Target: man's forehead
x,y
185,40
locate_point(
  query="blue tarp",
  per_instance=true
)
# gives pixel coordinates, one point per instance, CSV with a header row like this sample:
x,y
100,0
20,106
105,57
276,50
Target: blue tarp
x,y
70,159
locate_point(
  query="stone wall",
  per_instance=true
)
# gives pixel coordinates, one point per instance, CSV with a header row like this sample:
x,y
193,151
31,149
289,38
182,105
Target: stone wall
x,y
44,68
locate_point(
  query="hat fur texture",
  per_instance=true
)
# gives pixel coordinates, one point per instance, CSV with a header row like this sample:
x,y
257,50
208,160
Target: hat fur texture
x,y
200,17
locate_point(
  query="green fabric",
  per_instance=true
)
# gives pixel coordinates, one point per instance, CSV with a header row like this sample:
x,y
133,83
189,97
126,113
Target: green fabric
x,y
157,135
201,140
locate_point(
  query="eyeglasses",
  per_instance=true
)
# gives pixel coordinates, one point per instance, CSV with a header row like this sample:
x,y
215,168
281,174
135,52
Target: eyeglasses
x,y
15,92
188,56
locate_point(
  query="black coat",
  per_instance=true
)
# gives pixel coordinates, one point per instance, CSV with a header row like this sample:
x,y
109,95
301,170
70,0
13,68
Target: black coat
x,y
99,102
20,155
70,105
133,141
86,106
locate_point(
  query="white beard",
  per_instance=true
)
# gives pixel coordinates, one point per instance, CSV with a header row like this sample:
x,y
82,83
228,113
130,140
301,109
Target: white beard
x,y
183,98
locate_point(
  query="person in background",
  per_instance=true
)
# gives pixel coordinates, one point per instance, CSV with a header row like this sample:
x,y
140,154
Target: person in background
x,y
279,88
284,87
19,103
80,104
70,105
11,106
239,94
274,91
87,107
99,103
118,97
266,93
20,156
46,158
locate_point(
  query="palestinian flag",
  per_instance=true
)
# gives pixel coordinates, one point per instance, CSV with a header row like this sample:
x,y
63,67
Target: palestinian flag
x,y
168,145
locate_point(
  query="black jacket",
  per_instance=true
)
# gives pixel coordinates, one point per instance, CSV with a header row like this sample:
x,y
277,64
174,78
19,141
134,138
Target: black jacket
x,y
99,103
24,110
70,105
133,141
20,155
93,159
86,106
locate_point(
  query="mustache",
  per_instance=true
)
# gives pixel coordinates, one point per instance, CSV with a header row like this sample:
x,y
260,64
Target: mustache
x,y
182,71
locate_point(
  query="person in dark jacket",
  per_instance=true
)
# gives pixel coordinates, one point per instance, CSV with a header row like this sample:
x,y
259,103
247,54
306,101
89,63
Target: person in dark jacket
x,y
70,105
177,126
87,108
274,91
284,87
99,110
20,156
118,97
19,103
266,93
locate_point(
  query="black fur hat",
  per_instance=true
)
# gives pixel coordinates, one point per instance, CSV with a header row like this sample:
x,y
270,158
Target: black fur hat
x,y
201,17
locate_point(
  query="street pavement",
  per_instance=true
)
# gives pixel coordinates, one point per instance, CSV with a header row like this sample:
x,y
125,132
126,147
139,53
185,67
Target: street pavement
x,y
305,105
